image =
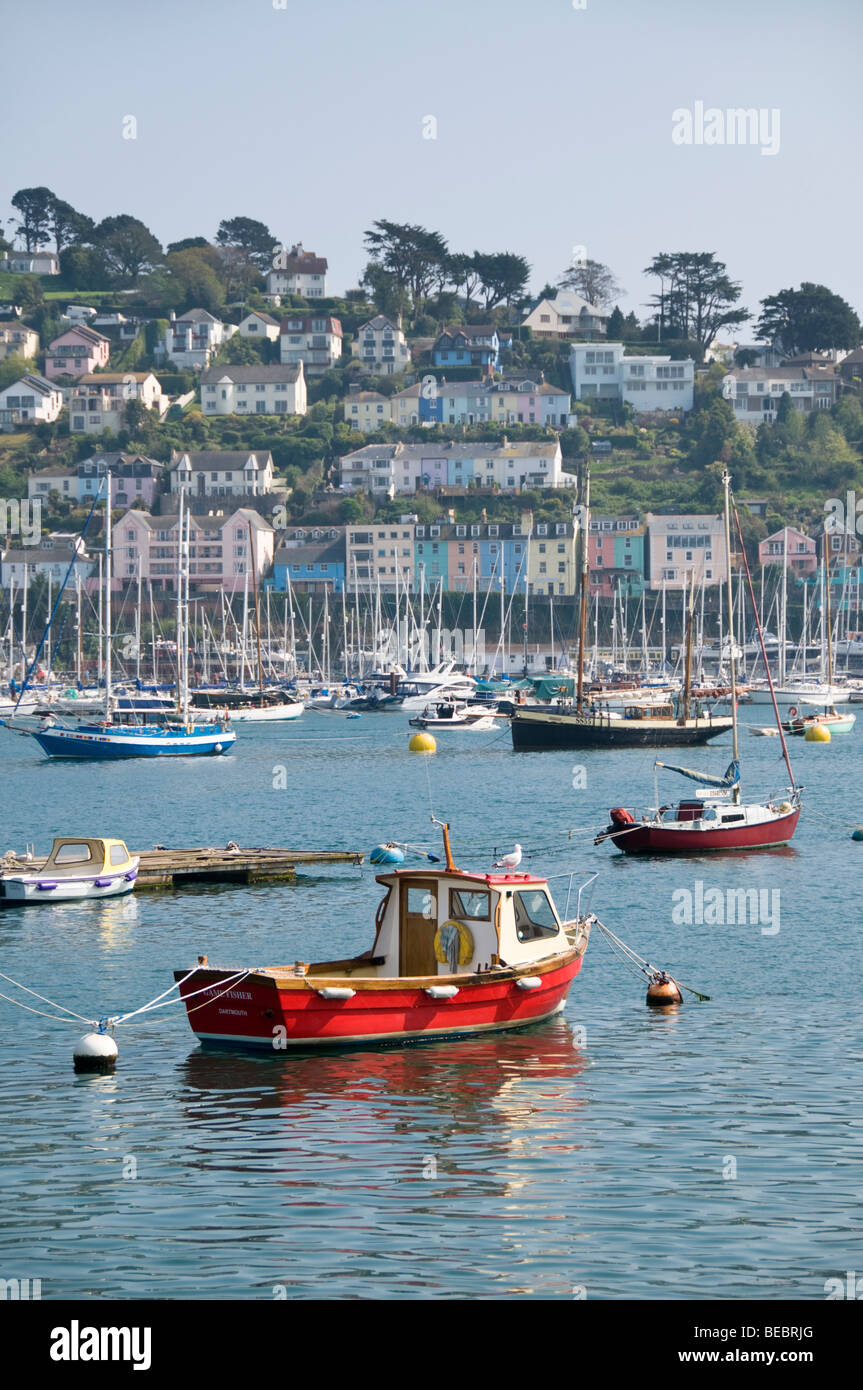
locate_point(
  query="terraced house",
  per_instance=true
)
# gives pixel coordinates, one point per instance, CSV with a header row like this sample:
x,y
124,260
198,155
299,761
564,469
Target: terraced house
x,y
389,469
512,401
616,555
223,550
222,473
524,556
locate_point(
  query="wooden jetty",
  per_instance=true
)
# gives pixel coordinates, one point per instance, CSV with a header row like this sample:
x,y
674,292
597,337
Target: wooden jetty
x,y
165,869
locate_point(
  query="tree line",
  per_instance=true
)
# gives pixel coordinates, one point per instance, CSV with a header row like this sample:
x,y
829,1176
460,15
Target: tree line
x,y
411,269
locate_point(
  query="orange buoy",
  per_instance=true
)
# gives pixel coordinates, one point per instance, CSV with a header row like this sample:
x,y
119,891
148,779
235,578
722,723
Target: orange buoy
x,y
662,991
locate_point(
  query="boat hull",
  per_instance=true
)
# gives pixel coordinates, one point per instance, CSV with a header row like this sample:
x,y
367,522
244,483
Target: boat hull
x,y
41,888
660,839
541,729
84,743
259,1012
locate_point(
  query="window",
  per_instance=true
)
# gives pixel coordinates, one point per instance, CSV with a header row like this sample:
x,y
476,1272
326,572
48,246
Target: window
x,y
534,915
475,906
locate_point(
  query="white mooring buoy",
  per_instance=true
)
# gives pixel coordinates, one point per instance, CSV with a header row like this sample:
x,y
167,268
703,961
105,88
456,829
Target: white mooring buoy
x,y
95,1052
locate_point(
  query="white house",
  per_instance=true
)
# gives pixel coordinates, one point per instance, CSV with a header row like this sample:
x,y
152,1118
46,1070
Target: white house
x,y
98,400
566,316
191,340
31,262
254,390
316,341
50,559
381,346
647,383
218,473
259,326
755,392
17,339
298,272
29,400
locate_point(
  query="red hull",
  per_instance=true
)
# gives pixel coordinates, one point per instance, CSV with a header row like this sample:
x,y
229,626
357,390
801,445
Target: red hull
x,y
656,839
256,1012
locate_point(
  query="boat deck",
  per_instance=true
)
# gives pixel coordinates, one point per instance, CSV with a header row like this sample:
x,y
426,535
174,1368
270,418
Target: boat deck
x,y
167,869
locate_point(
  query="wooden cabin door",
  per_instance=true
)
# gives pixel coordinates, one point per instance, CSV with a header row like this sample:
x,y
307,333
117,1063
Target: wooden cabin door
x,y
417,929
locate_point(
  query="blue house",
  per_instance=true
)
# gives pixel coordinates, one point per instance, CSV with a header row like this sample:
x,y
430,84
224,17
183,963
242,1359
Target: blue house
x,y
473,345
313,568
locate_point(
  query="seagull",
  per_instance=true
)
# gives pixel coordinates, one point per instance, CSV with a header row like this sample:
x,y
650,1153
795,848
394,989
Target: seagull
x,y
510,861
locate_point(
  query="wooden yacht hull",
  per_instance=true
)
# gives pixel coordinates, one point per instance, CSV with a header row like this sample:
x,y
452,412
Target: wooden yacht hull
x,y
550,729
275,1011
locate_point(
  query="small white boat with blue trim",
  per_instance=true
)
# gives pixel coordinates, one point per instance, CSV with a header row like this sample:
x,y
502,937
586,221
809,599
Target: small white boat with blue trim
x,y
77,867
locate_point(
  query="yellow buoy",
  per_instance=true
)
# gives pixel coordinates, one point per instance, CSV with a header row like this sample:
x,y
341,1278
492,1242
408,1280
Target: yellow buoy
x,y
817,733
422,743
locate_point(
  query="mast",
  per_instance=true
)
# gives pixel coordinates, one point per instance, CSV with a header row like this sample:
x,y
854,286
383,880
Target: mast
x,y
585,584
687,679
726,483
108,595
783,620
829,632
257,610
181,545
779,727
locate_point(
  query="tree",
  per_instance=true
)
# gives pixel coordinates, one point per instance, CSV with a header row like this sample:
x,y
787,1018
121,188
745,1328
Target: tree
x,y
388,296
414,256
128,246
13,367
34,205
85,268
189,280
464,274
253,242
700,297
29,293
593,281
189,243
810,319
69,227
614,327
503,275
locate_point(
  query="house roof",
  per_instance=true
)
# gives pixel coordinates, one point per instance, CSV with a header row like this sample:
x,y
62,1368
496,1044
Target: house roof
x,y
265,318
521,449
370,396
244,376
304,262
470,331
18,325
795,530
56,472
35,383
816,373
204,522
303,324
112,378
224,461
37,554
318,552
378,322
83,331
197,316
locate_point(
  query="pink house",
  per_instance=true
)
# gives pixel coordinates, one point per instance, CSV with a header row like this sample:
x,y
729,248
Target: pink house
x,y
799,550
222,553
76,352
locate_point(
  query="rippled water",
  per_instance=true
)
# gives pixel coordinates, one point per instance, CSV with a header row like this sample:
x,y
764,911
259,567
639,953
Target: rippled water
x,y
594,1152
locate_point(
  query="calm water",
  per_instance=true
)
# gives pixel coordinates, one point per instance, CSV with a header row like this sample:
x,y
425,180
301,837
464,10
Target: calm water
x,y
595,1152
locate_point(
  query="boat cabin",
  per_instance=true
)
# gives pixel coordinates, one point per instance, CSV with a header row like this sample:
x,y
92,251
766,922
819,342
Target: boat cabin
x,y
452,922
70,858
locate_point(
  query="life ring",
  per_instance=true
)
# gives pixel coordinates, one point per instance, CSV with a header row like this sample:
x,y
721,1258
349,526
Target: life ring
x,y
792,713
465,943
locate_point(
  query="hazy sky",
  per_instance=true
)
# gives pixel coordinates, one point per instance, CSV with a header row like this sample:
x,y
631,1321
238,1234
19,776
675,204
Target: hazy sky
x,y
554,126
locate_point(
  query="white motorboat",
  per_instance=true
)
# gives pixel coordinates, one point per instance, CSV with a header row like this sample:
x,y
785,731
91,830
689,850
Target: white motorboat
x,y
76,868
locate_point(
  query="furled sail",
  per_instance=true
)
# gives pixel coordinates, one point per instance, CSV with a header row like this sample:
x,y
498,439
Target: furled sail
x,y
707,779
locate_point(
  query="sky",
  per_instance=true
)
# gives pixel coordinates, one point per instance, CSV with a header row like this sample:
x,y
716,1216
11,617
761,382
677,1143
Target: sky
x,y
552,126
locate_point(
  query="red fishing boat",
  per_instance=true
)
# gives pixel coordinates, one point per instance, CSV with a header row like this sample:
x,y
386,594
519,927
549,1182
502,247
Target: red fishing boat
x,y
715,818
455,953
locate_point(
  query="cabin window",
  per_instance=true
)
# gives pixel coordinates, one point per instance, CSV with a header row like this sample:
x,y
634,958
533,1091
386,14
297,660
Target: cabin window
x,y
534,915
464,904
420,903
119,854
73,854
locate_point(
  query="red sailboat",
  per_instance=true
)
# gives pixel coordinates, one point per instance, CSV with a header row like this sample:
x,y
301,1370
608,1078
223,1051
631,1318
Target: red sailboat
x,y
714,818
455,953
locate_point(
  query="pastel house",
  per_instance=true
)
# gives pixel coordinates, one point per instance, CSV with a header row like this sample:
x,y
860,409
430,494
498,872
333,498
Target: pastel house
x,y
77,352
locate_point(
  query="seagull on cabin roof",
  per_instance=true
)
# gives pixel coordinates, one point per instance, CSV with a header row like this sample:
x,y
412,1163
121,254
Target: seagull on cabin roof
x,y
510,861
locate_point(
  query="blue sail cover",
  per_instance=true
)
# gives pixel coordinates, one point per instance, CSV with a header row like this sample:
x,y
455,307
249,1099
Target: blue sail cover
x,y
707,779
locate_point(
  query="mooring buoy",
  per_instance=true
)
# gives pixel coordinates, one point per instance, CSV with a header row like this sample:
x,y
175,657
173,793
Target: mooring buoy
x,y
663,990
95,1052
